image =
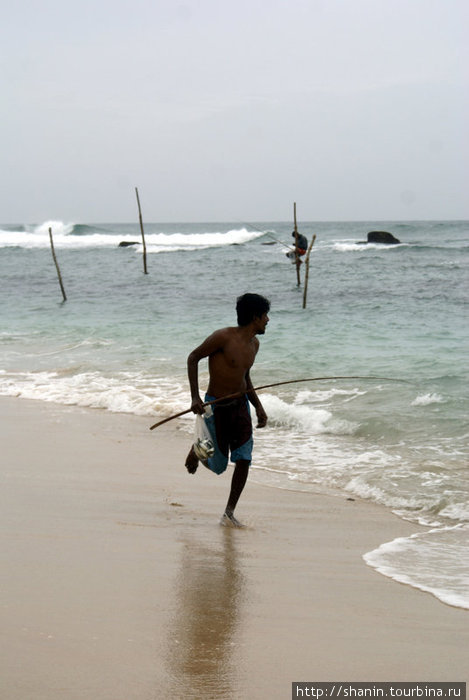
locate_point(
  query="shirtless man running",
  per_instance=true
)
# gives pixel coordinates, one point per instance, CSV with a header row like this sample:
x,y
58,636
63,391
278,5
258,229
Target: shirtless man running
x,y
231,353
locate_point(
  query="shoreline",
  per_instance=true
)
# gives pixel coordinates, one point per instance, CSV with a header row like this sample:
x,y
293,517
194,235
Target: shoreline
x,y
120,584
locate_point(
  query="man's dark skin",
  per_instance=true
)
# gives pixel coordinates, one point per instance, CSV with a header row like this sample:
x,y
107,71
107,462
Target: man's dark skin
x,y
231,353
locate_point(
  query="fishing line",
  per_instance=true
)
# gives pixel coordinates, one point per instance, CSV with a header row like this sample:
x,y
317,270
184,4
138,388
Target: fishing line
x,y
266,233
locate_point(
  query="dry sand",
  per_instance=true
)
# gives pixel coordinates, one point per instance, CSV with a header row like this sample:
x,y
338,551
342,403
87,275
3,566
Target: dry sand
x,y
119,584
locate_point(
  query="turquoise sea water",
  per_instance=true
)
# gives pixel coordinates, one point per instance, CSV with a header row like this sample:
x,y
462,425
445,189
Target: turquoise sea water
x,y
121,340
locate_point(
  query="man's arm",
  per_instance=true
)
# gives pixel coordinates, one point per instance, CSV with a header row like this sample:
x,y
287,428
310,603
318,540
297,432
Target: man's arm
x,y
210,345
254,399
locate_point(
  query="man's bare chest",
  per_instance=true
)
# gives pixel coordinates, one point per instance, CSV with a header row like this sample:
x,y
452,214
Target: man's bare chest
x,y
238,355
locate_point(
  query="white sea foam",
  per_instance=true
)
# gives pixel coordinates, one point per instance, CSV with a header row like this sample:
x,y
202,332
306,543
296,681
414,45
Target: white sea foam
x,y
427,399
363,486
357,247
57,227
142,394
123,393
304,418
436,561
306,396
64,237
192,241
38,237
457,511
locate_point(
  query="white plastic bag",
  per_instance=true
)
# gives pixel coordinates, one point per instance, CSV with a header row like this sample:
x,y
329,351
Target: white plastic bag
x,y
203,443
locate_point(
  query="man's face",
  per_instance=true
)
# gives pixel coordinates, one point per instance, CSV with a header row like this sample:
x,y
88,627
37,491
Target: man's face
x,y
261,323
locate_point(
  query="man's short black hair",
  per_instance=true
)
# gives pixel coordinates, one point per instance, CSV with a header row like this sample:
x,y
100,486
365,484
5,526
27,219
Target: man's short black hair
x,y
251,306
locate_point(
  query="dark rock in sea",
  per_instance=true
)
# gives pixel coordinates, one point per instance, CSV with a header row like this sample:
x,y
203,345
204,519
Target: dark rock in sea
x,y
382,237
125,244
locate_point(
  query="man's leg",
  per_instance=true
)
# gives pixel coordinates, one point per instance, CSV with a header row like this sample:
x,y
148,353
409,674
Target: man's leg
x,y
238,482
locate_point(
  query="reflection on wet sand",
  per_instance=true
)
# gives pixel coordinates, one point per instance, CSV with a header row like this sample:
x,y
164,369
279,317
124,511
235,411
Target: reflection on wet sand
x,y
202,635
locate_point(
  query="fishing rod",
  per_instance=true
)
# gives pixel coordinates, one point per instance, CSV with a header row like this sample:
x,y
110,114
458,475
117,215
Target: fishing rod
x,y
269,386
266,233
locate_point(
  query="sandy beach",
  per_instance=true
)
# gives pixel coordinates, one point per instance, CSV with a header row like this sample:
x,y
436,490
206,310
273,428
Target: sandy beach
x,y
119,584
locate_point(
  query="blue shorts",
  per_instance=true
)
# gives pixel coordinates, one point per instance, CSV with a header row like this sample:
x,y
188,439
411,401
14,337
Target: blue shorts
x,y
231,429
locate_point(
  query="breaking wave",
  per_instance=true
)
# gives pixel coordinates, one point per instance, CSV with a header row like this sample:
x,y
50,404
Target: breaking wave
x,y
80,236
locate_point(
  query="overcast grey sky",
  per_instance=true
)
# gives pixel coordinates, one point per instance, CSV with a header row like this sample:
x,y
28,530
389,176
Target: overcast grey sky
x,y
222,110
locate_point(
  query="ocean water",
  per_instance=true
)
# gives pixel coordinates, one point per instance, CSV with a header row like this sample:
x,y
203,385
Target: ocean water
x,y
120,343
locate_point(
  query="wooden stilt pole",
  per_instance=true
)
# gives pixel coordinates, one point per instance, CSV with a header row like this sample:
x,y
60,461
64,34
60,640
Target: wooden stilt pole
x,y
57,265
305,291
143,234
297,257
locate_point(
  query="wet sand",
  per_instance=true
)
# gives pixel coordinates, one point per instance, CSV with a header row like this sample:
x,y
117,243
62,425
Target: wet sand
x,y
119,584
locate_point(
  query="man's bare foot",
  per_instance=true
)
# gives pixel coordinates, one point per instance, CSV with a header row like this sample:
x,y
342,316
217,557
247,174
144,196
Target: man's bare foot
x,y
192,462
229,520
